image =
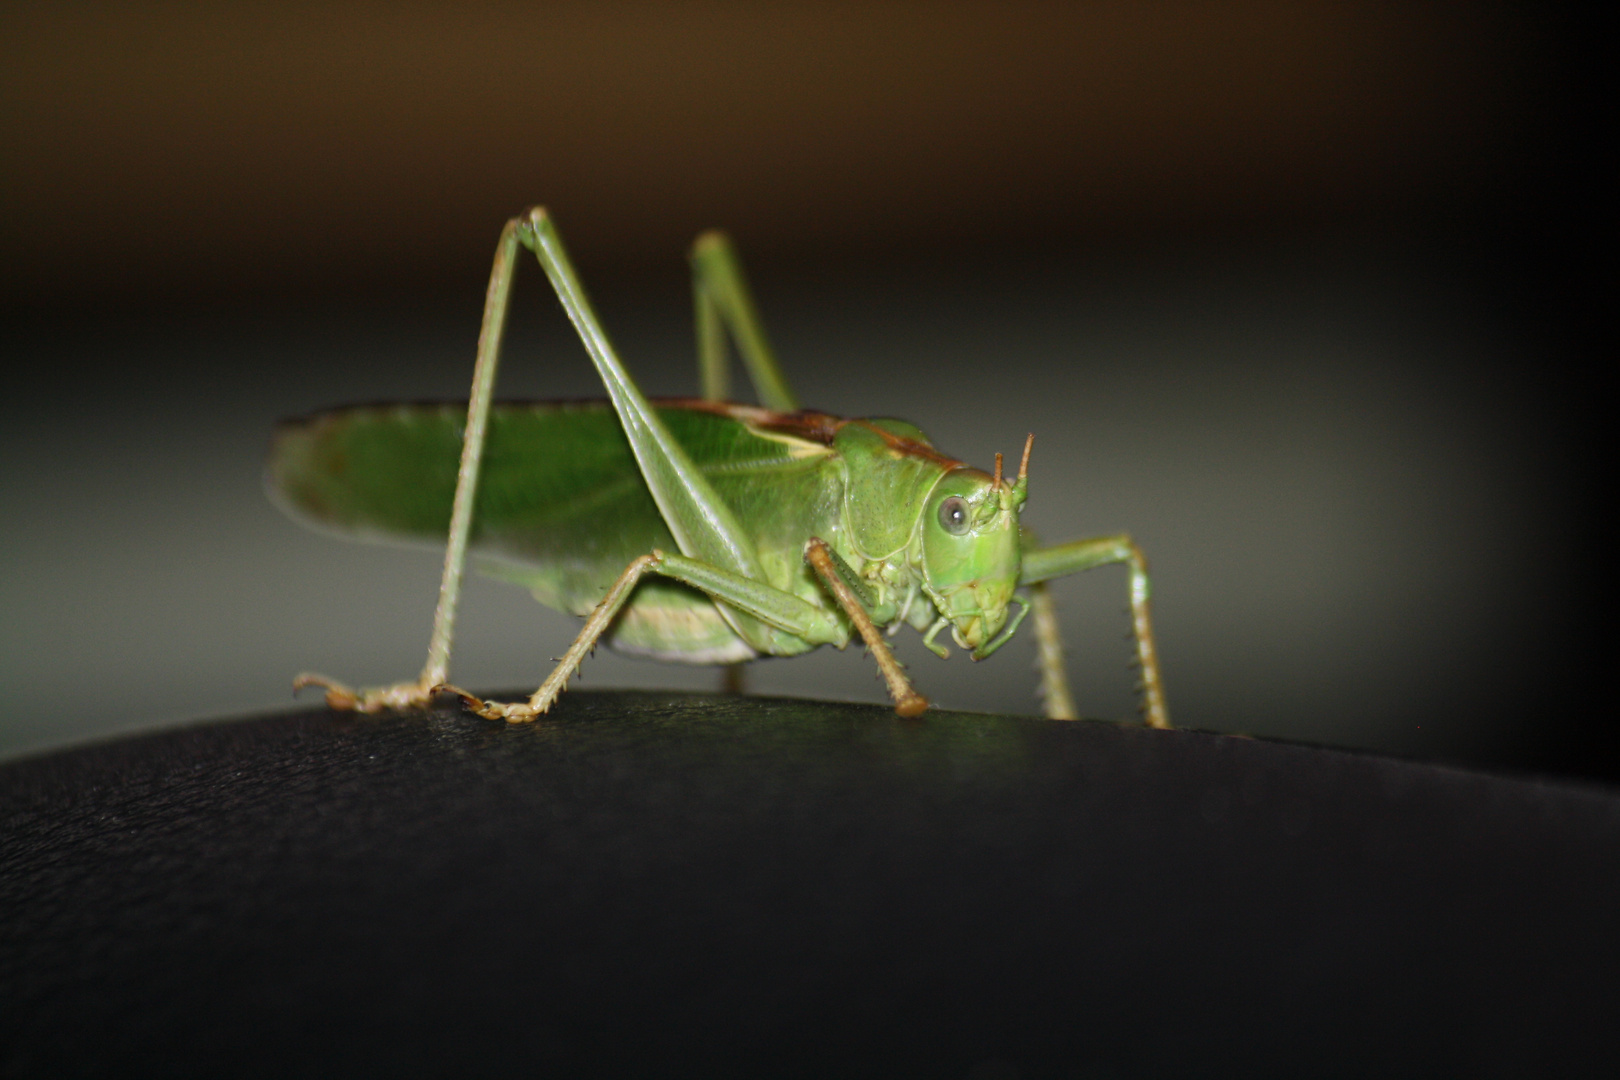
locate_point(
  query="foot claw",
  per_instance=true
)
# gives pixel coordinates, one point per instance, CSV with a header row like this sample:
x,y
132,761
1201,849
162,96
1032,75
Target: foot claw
x,y
399,697
402,697
913,704
512,713
338,696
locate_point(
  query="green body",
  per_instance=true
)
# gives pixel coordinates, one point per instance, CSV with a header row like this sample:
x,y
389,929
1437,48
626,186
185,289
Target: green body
x,y
692,530
562,508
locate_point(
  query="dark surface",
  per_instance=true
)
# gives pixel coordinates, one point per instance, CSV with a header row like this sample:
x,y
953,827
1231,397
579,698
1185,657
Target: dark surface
x,y
686,885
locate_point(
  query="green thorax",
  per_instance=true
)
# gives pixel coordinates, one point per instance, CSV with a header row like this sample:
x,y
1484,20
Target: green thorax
x,y
934,540
889,468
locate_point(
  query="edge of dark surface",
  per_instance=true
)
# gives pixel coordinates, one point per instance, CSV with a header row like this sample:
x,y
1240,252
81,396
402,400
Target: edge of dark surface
x,y
805,889
444,708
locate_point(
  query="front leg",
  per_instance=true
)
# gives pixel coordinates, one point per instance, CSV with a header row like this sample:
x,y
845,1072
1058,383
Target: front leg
x,y
1043,564
907,702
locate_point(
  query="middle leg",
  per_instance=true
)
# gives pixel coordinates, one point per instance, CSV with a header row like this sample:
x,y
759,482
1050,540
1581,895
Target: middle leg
x,y
783,611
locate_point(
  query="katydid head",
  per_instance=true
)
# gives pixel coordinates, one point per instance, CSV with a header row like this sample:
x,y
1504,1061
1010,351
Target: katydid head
x,y
970,552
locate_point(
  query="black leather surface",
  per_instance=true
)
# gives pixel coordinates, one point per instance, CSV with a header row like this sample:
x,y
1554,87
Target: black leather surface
x,y
682,885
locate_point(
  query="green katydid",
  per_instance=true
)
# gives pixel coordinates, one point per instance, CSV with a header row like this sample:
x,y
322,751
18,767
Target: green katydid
x,y
699,531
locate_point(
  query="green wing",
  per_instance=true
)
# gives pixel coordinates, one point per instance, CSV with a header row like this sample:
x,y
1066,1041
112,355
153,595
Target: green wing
x,y
561,505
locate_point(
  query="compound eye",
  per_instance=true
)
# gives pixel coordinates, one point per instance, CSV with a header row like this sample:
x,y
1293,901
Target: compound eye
x,y
953,515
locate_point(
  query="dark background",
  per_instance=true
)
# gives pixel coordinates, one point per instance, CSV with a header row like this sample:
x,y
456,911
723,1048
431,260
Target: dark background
x,y
1302,295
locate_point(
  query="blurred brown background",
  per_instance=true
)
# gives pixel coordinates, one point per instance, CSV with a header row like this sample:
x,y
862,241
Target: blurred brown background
x,y
271,145
1295,292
